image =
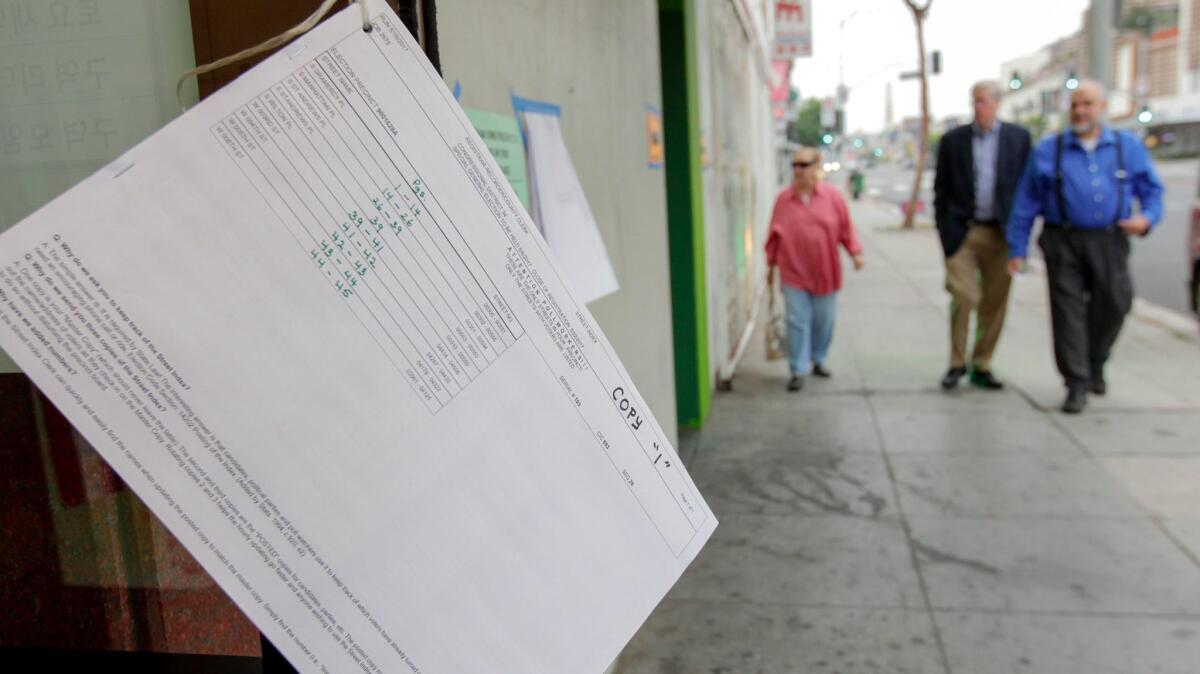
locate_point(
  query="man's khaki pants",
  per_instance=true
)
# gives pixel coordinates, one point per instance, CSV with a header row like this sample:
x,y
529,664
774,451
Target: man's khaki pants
x,y
977,278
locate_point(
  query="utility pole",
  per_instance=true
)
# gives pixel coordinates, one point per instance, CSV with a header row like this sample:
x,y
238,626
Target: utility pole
x,y
919,12
1101,16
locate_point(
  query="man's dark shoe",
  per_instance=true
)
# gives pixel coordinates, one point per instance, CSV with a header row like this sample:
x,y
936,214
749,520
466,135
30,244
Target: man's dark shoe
x,y
986,380
795,383
1075,402
952,376
820,371
1098,385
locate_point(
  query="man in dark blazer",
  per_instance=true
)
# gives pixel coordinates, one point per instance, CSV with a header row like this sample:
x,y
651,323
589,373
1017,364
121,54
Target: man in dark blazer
x,y
978,168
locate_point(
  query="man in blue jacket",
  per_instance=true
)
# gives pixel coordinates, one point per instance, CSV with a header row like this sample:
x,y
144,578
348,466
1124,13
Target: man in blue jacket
x,y
1083,183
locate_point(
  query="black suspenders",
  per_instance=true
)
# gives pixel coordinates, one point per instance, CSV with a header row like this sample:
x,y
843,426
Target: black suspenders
x,y
1058,181
1121,177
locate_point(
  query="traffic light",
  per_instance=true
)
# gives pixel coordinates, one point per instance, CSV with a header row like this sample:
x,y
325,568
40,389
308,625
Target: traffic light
x,y
1145,115
858,143
827,138
1072,82
936,61
1015,83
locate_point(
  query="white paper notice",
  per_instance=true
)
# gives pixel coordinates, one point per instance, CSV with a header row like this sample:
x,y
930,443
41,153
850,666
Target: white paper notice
x,y
561,210
310,325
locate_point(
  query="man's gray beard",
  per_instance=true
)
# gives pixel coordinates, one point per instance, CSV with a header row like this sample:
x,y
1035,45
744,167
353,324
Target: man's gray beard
x,y
1083,129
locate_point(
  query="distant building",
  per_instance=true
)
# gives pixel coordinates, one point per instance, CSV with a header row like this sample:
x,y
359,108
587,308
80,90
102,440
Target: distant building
x,y
1037,94
1155,86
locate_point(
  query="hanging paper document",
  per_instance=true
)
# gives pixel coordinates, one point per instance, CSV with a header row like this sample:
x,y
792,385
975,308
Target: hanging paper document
x,y
311,325
560,208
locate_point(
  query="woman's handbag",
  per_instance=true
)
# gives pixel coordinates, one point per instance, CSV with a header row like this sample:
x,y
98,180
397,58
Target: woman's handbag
x,y
776,332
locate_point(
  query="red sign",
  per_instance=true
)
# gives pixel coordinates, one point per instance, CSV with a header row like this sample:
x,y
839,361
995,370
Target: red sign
x,y
793,29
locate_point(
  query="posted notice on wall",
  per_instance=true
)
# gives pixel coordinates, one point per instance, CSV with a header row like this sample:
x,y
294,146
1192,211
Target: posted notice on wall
x,y
561,211
310,325
502,136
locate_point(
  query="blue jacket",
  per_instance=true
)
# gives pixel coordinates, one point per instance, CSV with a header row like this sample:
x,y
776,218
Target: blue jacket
x,y
1090,185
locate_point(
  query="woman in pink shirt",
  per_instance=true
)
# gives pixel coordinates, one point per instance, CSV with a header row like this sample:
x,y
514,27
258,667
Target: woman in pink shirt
x,y
808,223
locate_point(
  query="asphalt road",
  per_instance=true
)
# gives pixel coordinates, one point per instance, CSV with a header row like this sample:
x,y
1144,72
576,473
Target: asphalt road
x,y
893,184
1159,265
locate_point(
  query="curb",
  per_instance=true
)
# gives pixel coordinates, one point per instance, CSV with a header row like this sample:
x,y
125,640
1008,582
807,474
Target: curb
x,y
1181,325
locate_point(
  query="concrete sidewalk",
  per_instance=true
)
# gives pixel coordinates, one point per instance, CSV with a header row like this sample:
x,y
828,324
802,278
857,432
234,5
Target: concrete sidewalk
x,y
873,523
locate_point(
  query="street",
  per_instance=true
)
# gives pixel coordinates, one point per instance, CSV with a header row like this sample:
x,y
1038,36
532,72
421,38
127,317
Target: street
x,y
892,183
1159,263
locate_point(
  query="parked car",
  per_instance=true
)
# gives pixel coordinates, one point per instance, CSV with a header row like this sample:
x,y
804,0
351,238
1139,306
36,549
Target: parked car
x,y
1194,253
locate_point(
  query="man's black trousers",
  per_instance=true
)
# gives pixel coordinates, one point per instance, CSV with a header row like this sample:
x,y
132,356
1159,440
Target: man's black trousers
x,y
1090,294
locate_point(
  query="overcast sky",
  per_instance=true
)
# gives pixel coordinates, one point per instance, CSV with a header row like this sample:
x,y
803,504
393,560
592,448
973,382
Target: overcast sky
x,y
974,36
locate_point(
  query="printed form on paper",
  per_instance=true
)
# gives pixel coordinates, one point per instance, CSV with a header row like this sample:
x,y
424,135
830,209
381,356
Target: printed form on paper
x,y
309,323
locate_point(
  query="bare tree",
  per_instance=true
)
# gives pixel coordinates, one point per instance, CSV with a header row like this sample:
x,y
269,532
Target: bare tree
x,y
919,12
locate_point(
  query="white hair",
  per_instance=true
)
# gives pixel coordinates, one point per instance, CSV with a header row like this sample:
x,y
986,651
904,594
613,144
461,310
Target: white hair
x,y
992,87
1096,84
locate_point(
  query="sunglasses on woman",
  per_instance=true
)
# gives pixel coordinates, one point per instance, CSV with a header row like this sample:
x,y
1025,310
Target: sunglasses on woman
x,y
802,164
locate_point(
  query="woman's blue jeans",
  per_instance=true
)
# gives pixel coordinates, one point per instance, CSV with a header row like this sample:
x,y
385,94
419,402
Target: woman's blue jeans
x,y
810,320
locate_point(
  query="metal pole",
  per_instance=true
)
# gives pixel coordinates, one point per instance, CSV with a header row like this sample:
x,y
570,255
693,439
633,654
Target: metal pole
x,y
1100,41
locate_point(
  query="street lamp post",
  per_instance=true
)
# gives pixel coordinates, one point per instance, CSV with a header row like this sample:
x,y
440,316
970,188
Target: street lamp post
x,y
1100,40
843,92
842,53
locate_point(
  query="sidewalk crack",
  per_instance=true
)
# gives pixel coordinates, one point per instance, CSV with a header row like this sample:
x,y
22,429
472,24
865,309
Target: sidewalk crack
x,y
934,555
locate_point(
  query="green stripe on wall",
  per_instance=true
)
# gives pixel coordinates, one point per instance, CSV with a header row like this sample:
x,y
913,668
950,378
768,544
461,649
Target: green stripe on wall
x,y
685,210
